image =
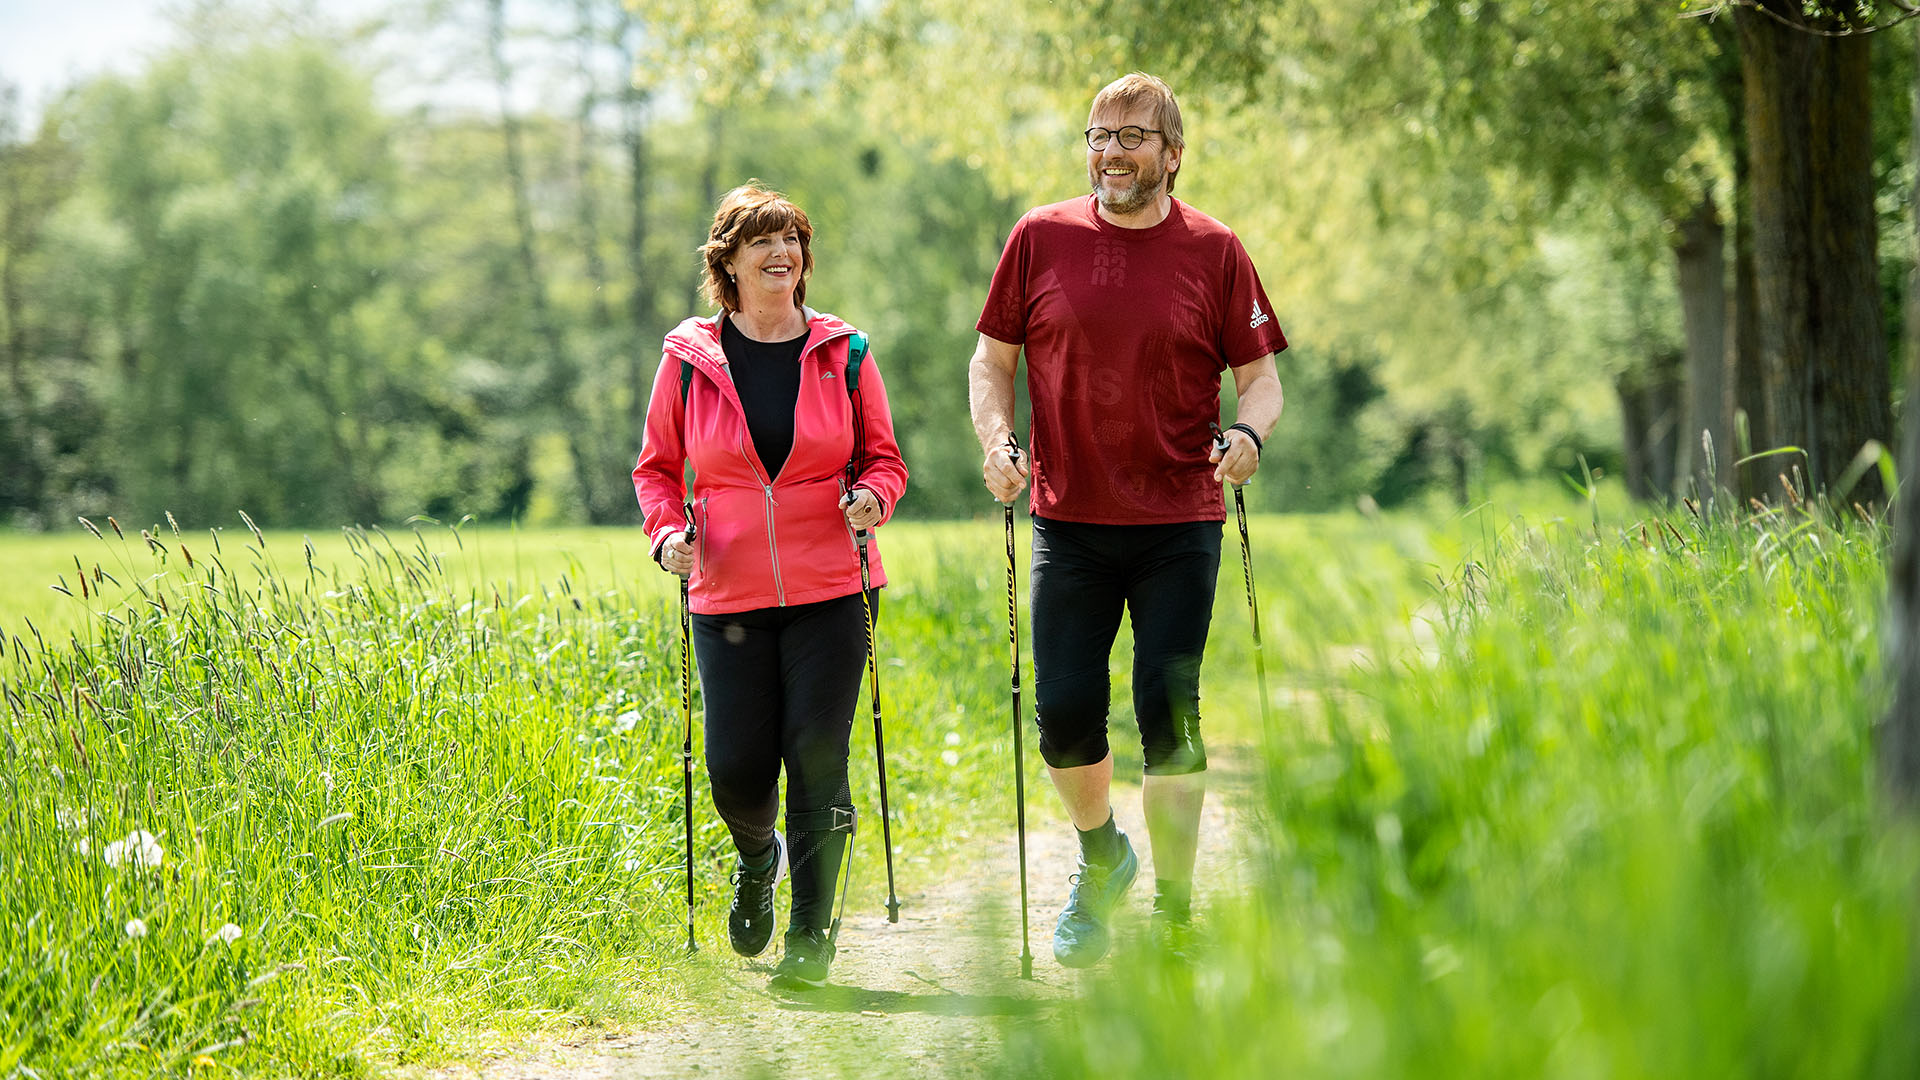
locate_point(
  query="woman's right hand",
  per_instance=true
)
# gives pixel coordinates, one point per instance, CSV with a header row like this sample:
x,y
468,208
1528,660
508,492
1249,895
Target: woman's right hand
x,y
676,555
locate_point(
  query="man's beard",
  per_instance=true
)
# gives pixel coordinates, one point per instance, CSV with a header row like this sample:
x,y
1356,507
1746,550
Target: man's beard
x,y
1136,197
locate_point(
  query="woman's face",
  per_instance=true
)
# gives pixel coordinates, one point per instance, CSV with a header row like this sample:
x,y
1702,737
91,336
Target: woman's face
x,y
767,266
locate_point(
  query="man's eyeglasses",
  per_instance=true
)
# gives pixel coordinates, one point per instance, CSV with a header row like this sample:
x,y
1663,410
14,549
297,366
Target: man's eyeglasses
x,y
1130,136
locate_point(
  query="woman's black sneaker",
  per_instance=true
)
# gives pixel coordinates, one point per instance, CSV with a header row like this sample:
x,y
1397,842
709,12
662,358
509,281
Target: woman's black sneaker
x,y
809,954
750,922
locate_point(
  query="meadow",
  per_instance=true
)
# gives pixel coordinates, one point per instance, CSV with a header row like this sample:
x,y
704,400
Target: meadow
x,y
1576,793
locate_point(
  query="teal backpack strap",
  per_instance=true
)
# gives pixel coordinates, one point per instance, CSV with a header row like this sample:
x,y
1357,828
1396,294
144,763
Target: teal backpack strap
x,y
856,355
686,379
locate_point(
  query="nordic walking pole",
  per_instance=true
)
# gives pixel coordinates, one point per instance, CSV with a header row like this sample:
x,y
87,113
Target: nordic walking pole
x,y
1221,444
1019,754
879,740
686,747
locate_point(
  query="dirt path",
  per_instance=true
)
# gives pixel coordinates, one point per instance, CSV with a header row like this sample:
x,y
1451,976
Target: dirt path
x,y
926,997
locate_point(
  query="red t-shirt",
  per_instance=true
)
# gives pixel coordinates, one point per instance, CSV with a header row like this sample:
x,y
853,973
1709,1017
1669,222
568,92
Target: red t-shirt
x,y
1126,333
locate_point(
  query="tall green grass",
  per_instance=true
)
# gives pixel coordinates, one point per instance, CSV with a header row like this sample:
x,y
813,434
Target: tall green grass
x,y
1614,815
1545,800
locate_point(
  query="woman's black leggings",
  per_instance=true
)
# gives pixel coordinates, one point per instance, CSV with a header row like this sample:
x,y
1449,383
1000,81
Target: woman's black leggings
x,y
780,687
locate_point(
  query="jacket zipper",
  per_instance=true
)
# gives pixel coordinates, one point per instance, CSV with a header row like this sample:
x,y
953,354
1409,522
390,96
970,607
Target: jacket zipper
x,y
773,543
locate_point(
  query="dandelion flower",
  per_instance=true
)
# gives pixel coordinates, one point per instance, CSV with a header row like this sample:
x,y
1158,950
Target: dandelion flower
x,y
136,928
953,738
83,847
950,758
140,850
626,721
226,935
631,865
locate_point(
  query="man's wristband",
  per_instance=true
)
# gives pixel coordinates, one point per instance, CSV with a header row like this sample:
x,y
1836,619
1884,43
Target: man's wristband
x,y
1251,434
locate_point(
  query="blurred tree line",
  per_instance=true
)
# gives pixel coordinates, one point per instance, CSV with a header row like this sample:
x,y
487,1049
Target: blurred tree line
x,y
422,264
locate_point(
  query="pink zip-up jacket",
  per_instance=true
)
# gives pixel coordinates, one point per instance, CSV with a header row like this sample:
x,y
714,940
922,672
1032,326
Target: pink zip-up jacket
x,y
765,541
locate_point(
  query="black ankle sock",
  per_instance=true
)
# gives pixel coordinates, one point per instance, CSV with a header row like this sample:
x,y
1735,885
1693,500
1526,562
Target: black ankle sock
x,y
1102,843
760,863
1173,898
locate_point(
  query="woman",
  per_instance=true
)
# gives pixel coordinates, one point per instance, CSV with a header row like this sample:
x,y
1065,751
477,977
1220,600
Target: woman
x,y
789,461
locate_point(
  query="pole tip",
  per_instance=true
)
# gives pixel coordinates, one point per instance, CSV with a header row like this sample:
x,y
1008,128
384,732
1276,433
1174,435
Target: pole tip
x,y
1026,965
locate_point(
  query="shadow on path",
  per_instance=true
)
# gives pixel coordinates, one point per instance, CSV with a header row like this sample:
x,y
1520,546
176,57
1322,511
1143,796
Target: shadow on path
x,y
854,999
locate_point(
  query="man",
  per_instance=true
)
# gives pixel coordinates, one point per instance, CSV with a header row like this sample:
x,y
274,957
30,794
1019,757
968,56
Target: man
x,y
1129,304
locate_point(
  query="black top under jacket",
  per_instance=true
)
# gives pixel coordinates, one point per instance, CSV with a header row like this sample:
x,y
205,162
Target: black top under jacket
x,y
767,376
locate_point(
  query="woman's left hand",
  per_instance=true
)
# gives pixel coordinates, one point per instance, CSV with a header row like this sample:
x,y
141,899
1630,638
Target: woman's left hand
x,y
862,509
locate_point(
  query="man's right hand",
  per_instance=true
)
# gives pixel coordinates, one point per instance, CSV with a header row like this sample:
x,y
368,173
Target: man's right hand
x,y
676,555
1005,471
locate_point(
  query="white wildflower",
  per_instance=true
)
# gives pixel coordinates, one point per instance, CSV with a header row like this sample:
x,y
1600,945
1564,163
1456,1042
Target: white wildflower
x,y
227,934
140,850
949,758
953,738
631,865
136,928
83,847
68,820
626,721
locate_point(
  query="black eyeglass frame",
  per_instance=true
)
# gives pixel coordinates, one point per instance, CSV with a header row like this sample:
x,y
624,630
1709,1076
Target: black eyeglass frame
x,y
1112,133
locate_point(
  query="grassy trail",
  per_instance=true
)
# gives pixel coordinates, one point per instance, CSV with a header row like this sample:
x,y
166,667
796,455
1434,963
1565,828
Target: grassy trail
x,y
931,996
1547,798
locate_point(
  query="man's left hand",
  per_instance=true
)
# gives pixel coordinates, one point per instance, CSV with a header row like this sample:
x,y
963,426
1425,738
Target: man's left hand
x,y
1239,463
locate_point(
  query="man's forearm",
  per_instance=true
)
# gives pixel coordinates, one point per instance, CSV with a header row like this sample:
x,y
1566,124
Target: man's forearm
x,y
991,396
1260,399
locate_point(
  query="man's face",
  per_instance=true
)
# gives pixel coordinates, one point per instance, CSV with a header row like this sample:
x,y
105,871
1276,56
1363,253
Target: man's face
x,y
1128,181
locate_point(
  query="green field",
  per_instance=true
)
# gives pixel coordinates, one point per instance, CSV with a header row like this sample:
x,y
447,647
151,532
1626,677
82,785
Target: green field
x,y
1546,798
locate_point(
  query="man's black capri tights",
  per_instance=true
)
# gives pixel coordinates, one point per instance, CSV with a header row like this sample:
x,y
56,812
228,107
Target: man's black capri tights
x,y
1084,576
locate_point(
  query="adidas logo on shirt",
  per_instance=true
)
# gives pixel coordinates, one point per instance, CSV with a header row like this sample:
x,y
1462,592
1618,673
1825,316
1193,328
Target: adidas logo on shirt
x,y
1260,318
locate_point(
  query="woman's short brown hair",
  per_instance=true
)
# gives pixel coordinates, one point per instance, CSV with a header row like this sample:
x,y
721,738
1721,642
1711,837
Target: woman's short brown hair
x,y
748,211
1128,92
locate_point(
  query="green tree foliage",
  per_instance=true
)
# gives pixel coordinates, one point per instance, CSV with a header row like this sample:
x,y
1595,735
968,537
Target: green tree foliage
x,y
246,278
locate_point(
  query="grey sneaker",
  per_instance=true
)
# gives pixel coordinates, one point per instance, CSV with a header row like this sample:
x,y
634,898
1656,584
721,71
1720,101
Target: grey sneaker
x,y
750,922
809,954
1081,936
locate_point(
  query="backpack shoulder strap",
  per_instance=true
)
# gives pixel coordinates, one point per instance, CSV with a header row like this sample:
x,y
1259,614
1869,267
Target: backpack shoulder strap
x,y
686,379
856,355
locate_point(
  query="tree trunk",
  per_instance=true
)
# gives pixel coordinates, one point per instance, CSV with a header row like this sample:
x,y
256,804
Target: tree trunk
x,y
709,185
1910,339
1851,395
1900,729
1823,356
588,206
1650,411
562,377
643,303
1703,443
